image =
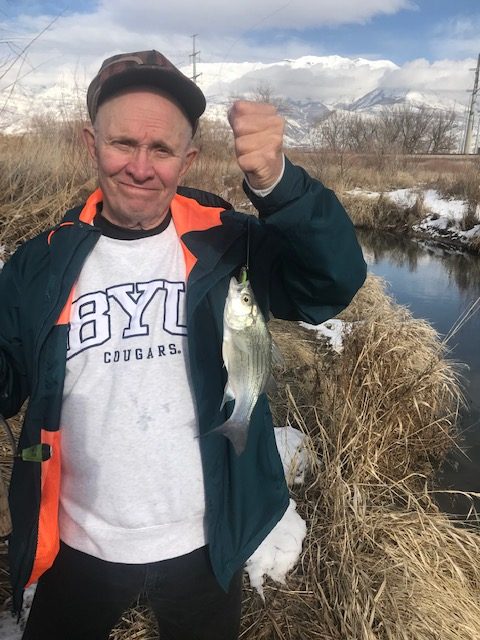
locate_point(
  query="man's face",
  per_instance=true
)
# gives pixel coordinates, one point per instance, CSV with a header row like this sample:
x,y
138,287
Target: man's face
x,y
141,145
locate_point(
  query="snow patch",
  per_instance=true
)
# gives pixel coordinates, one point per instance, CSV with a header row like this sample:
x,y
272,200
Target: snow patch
x,y
279,552
291,447
444,216
9,629
333,330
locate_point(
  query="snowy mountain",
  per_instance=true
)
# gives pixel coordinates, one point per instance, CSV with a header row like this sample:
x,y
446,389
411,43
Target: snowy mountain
x,y
306,89
379,98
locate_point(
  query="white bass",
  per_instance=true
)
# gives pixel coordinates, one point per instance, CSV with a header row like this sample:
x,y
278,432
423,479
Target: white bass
x,y
247,355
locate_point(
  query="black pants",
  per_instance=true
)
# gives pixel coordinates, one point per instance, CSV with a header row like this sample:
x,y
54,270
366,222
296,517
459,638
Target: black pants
x,y
82,598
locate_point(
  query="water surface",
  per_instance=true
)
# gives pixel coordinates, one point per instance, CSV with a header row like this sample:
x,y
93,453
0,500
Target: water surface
x,y
439,285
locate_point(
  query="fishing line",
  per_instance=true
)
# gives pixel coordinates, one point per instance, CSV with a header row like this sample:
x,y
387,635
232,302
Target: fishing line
x,y
463,319
248,245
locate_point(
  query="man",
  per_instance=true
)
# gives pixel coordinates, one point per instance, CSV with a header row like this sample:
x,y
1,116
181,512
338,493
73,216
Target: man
x,y
111,323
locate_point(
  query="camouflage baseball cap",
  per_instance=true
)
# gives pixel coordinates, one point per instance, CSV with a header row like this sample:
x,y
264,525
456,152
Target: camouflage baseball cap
x,y
145,68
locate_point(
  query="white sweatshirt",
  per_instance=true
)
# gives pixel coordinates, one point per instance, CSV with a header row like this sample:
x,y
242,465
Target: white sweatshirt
x,y
132,484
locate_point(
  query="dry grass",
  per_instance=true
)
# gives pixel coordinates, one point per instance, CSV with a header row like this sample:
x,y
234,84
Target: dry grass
x,y
453,177
379,561
42,174
383,213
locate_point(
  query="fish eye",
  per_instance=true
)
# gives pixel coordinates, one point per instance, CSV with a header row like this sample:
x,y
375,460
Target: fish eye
x,y
246,298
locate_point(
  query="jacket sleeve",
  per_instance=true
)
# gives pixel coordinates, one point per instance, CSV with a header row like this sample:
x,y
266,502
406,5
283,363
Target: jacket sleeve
x,y
13,377
316,264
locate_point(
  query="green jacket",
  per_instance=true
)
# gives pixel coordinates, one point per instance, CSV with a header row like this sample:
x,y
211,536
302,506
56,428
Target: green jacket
x,y
305,264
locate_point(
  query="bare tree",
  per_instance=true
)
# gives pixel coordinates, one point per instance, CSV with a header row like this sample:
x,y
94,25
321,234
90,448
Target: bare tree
x,y
264,92
414,127
394,129
443,132
333,131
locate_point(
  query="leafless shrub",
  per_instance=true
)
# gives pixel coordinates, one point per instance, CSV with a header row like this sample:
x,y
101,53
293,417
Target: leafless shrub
x,y
403,129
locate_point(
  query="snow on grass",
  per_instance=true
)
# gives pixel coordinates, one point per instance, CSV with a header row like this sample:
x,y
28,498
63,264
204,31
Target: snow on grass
x,y
290,445
444,216
279,552
9,628
333,330
281,549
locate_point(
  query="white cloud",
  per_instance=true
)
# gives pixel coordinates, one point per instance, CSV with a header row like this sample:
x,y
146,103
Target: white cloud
x,y
122,25
441,75
318,79
459,36
234,17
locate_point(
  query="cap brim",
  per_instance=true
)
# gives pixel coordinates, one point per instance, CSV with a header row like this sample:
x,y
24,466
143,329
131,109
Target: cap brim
x,y
189,97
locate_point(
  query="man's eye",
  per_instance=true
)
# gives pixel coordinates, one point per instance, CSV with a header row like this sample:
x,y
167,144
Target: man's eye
x,y
161,151
122,145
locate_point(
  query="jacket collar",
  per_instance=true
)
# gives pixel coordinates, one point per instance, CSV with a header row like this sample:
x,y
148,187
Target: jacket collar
x,y
201,228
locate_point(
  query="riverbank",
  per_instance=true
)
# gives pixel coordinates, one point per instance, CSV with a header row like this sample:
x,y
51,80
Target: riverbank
x,y
434,198
418,213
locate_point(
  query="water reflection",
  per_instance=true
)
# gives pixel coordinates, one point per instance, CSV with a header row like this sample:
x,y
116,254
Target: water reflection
x,y
440,285
403,252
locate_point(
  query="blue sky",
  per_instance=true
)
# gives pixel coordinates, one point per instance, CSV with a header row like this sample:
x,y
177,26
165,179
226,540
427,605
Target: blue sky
x,y
399,30
400,37
434,43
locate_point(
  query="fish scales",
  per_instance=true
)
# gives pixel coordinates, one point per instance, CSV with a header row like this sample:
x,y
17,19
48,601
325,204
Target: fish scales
x,y
246,349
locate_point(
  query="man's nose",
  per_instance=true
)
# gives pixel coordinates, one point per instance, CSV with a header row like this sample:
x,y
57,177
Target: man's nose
x,y
140,166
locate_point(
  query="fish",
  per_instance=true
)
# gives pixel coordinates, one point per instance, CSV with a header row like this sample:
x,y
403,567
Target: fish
x,y
247,356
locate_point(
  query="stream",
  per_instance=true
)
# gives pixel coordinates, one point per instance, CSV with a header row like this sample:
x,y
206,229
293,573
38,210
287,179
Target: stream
x,y
440,285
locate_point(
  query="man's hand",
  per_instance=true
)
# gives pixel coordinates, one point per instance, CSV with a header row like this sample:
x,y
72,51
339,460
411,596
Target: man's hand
x,y
258,134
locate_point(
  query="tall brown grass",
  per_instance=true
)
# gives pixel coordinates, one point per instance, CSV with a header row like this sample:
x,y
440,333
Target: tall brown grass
x,y
42,174
380,561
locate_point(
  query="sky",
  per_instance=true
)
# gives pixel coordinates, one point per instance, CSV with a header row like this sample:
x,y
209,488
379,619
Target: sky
x,y
436,40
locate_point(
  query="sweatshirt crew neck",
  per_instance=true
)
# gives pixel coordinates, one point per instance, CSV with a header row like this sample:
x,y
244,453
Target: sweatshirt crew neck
x,y
111,230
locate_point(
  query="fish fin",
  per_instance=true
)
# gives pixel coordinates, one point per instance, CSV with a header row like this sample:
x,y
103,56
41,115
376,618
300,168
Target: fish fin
x,y
227,395
277,357
271,385
236,431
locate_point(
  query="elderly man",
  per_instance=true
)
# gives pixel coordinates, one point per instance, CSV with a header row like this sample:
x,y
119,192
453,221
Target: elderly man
x,y
111,324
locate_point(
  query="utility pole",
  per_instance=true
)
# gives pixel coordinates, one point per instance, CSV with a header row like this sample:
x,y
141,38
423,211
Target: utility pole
x,y
468,132
477,141
193,56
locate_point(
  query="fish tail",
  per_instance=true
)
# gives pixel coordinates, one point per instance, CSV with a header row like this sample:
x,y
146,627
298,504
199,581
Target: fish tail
x,y
236,431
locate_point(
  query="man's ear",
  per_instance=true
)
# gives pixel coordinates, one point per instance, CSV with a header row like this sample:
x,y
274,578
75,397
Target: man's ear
x,y
189,158
88,136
